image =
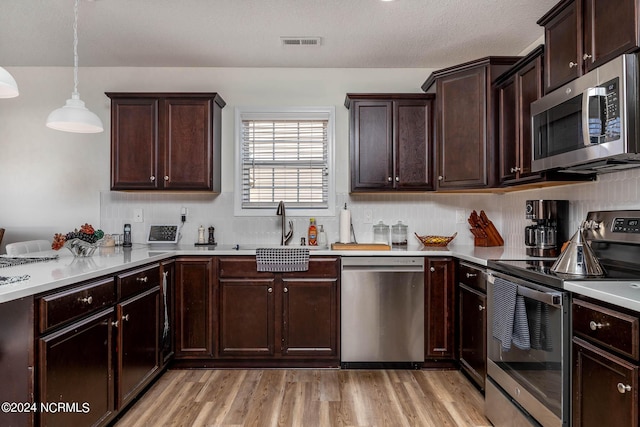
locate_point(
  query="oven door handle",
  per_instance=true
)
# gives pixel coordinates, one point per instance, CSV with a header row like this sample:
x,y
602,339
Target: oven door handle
x,y
548,298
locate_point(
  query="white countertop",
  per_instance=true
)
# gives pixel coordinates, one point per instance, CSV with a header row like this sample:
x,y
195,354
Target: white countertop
x,y
67,270
621,293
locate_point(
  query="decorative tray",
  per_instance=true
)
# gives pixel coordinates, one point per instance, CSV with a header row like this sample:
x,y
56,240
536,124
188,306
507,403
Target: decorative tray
x,y
435,240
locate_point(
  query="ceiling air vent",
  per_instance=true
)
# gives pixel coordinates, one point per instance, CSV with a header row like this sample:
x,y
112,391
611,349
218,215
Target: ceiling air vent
x,y
300,41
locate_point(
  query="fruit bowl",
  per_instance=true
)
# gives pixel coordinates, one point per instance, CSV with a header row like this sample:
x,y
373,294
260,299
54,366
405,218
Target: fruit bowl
x,y
435,240
80,248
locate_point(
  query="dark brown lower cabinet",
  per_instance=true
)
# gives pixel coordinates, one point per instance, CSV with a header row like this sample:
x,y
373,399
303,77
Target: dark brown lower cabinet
x,y
277,316
195,323
439,308
76,368
473,333
138,346
247,317
605,388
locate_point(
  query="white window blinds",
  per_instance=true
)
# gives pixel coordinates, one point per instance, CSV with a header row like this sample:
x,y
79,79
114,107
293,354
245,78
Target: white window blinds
x,y
284,159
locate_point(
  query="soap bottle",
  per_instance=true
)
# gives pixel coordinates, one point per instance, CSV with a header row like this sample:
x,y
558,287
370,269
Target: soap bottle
x,y
313,233
322,237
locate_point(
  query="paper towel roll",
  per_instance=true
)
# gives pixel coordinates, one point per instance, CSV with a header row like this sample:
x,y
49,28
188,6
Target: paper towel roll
x,y
345,226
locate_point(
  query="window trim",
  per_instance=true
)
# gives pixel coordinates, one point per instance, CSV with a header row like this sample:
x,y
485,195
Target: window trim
x,y
269,113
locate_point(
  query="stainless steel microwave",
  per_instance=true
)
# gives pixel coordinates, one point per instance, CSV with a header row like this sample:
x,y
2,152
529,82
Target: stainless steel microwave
x,y
591,124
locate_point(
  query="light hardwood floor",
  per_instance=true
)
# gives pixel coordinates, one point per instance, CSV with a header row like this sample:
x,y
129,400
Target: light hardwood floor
x,y
314,397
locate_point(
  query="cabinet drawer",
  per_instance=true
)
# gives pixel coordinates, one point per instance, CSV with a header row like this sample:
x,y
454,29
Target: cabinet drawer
x,y
136,281
319,267
611,328
472,276
241,267
70,304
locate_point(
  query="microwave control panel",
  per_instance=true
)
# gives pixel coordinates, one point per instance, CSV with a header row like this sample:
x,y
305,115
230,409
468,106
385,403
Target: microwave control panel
x,y
611,113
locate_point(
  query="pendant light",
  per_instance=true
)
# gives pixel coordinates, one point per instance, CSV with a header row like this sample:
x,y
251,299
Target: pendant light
x,y
8,85
74,116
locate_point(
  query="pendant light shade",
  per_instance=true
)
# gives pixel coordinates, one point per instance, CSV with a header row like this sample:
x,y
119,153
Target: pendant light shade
x,y
8,85
74,116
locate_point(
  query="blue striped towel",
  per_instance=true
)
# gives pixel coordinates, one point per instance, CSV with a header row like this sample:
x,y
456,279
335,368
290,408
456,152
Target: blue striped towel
x,y
510,323
282,259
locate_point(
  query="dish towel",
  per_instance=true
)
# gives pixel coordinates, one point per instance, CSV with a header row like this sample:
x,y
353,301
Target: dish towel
x,y
510,316
538,321
282,259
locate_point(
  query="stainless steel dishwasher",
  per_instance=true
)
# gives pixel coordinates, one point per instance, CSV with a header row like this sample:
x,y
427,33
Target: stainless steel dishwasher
x,y
382,312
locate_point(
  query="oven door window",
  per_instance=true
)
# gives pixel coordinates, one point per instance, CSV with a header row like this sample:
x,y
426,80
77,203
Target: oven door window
x,y
538,367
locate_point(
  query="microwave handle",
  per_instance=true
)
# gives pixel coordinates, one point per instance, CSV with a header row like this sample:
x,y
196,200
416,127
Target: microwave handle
x,y
586,96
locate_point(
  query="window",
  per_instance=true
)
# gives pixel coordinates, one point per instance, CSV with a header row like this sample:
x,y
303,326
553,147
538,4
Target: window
x,y
284,154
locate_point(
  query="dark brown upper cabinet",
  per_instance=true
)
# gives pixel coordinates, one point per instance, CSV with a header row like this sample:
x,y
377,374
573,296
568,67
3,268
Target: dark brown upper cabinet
x,y
580,35
166,141
466,123
517,89
391,138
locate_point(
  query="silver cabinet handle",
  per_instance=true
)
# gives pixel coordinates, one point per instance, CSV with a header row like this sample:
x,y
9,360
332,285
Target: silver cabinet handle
x,y
286,290
432,269
152,178
470,275
622,388
512,170
586,56
595,326
572,64
270,290
144,279
516,169
481,307
166,177
440,177
397,179
125,318
389,179
114,324
87,300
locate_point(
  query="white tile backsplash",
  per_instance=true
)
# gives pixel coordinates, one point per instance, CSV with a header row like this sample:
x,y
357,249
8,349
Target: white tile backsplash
x,y
424,213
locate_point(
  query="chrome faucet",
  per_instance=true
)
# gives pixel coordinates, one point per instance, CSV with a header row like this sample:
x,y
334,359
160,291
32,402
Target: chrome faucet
x,y
284,237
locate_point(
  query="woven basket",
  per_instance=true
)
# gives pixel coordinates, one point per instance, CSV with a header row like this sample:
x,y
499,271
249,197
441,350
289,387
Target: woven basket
x,y
435,240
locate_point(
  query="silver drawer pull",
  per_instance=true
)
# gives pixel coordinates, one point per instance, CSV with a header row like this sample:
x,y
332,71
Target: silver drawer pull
x,y
152,178
470,275
572,64
481,307
595,326
125,318
87,300
286,290
270,290
622,388
114,324
144,279
432,269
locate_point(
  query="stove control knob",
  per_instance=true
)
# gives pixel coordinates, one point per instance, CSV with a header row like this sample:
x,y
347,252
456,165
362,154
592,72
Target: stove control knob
x,y
591,225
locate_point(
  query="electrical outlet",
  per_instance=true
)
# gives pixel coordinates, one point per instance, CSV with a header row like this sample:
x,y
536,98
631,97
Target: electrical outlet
x,y
461,216
368,216
138,215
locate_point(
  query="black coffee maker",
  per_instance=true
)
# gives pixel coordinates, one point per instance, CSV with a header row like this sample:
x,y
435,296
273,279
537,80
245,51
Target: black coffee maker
x,y
550,229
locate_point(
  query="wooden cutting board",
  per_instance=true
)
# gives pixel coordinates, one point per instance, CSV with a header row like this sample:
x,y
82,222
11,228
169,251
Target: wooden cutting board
x,y
360,247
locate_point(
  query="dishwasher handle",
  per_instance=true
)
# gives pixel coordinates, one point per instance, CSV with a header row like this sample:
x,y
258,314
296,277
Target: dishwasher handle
x,y
383,269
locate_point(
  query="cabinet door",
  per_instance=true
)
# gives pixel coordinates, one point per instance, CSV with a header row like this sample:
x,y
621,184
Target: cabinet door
x,y
508,129
76,365
473,333
605,388
194,307
134,144
167,310
462,129
371,145
310,317
609,30
563,47
529,84
138,347
439,308
188,144
247,317
413,132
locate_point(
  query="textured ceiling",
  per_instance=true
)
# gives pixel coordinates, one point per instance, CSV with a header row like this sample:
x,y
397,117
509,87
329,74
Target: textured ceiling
x,y
246,33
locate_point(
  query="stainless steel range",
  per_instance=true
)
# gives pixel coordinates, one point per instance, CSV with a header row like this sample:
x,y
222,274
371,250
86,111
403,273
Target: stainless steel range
x,y
529,324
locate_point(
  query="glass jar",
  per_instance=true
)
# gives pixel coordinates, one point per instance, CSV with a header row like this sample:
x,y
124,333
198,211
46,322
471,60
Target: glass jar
x,y
381,233
399,234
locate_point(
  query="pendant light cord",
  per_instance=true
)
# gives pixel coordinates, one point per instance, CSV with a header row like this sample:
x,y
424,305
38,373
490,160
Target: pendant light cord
x,y
75,48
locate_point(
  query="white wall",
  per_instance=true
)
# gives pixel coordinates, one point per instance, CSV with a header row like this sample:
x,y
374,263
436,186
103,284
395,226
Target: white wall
x,y
51,181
